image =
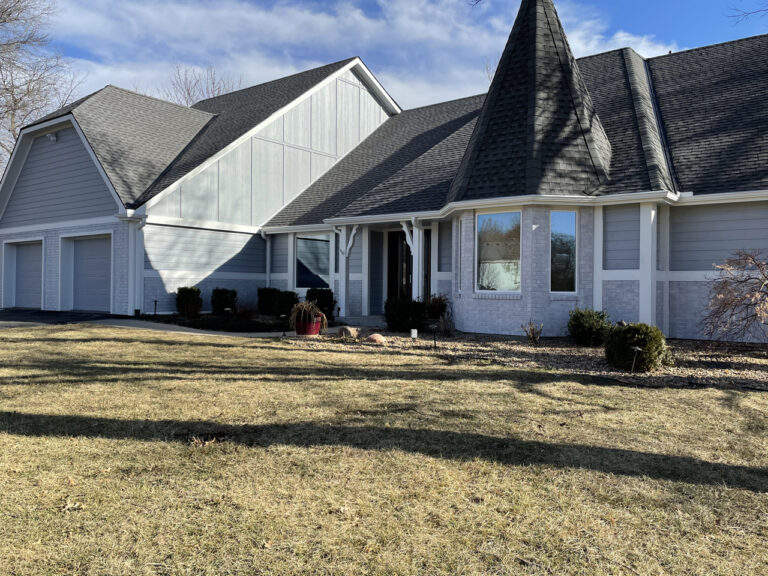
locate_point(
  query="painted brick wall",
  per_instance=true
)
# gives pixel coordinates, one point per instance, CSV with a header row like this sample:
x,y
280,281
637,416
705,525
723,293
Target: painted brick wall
x,y
505,314
621,299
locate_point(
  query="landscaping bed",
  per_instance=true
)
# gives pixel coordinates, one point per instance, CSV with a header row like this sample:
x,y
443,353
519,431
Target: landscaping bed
x,y
230,323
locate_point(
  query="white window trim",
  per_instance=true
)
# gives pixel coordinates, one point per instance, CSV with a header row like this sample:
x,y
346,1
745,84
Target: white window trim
x,y
331,263
486,212
577,213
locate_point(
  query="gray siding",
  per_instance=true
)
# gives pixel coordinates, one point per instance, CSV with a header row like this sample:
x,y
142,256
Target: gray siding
x,y
279,255
444,246
202,251
58,182
702,236
376,273
356,255
621,241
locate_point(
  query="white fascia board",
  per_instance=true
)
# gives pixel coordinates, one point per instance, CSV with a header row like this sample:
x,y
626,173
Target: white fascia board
x,y
356,63
99,167
375,86
723,198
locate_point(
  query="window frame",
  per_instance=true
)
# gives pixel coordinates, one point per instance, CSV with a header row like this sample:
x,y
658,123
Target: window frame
x,y
492,211
576,213
303,289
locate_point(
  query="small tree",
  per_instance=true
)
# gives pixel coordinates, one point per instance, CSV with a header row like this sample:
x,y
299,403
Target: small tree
x,y
738,305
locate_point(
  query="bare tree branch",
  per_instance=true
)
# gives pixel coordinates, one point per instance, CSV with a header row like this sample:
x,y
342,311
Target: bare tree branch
x,y
740,14
189,84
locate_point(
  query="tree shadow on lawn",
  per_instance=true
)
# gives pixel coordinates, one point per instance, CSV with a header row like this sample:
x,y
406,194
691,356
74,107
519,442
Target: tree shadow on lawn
x,y
460,446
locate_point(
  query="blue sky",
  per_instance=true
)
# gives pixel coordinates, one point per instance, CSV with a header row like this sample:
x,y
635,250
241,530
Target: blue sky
x,y
423,51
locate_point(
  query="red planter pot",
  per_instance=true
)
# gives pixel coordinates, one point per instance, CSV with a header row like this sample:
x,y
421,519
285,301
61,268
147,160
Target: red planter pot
x,y
309,328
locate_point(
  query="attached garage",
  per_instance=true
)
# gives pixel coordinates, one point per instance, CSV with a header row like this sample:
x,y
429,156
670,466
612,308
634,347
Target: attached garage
x,y
87,273
23,281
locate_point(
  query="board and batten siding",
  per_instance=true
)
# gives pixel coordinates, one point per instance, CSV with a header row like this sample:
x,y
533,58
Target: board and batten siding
x,y
59,182
621,240
703,236
202,252
254,181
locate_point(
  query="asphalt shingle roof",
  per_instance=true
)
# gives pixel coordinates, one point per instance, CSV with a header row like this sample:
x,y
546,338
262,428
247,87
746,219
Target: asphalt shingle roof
x,y
406,165
134,137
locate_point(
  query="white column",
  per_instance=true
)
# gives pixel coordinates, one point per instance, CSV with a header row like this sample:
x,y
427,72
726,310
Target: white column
x,y
139,276
132,270
417,251
268,271
433,258
597,268
343,272
648,231
664,255
291,261
366,275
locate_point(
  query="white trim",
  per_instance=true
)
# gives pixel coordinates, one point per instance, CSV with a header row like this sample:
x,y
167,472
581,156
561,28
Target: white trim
x,y
56,225
433,268
292,261
99,167
366,309
597,266
577,222
688,199
356,64
662,266
14,242
648,224
476,266
302,290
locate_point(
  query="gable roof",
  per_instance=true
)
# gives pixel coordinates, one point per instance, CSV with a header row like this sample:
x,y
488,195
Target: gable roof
x,y
134,137
538,132
235,114
406,165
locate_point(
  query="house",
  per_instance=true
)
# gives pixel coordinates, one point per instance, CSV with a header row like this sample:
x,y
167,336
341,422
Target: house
x,y
612,181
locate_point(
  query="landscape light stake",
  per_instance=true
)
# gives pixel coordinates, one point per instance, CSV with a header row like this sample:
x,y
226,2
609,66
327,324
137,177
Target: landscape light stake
x,y
637,350
155,314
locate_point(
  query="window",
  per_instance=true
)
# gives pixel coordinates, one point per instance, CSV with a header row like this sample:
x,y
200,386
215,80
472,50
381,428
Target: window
x,y
563,252
313,255
498,252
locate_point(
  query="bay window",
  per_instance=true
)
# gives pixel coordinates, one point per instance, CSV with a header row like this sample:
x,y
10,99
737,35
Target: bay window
x,y
563,252
313,261
497,244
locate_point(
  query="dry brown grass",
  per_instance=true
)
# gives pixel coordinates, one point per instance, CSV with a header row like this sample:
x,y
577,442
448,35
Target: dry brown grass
x,y
125,452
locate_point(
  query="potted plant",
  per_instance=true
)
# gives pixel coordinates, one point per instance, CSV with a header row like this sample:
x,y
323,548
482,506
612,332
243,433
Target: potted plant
x,y
307,319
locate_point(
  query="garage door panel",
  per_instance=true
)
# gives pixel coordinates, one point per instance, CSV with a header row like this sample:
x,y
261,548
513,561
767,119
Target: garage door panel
x,y
92,274
29,274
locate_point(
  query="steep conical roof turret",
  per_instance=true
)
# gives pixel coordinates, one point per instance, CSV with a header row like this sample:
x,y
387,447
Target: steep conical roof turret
x,y
538,132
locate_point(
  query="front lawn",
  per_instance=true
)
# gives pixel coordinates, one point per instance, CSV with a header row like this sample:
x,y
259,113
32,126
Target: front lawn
x,y
131,452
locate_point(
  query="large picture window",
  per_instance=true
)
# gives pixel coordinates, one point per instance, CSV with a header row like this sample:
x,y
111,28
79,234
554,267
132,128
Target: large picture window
x,y
563,252
498,252
313,259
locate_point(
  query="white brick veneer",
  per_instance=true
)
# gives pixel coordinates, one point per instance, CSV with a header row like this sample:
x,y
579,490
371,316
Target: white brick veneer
x,y
505,314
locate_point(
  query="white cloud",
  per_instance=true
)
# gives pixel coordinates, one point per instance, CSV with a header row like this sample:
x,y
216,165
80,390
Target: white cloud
x,y
423,51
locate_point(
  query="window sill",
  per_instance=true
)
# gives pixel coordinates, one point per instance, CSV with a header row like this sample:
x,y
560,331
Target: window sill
x,y
563,297
494,296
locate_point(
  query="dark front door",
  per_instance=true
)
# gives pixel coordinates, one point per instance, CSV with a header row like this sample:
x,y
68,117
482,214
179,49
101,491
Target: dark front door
x,y
399,267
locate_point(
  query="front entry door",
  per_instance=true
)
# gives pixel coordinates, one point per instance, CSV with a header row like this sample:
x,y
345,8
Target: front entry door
x,y
399,267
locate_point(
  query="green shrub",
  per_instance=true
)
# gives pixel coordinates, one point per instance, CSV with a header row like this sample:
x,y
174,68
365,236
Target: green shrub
x,y
267,304
274,302
437,306
188,301
223,299
324,299
588,327
623,341
404,314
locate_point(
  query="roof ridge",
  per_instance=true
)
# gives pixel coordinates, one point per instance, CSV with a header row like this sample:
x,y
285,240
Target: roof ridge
x,y
155,98
330,64
708,46
454,100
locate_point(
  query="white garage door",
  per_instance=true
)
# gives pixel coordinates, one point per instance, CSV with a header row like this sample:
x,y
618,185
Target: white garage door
x,y
92,274
29,274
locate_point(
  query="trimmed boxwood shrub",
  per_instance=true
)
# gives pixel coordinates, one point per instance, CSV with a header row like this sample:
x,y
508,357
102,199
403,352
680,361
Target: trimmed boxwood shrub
x,y
623,339
188,301
324,299
588,327
403,314
223,298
